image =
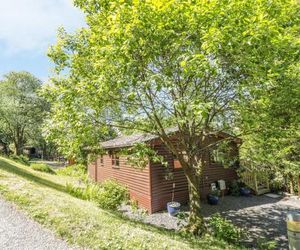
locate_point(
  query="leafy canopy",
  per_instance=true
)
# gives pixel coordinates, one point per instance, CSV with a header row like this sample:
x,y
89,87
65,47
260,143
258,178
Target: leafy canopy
x,y
21,108
148,65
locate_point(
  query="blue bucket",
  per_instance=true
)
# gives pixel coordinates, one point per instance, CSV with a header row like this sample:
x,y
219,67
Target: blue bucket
x,y
173,208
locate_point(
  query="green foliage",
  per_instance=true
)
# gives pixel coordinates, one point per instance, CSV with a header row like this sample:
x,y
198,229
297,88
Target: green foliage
x,y
111,195
83,223
277,182
234,188
21,159
224,229
108,195
200,66
76,191
141,154
222,154
77,170
87,191
21,108
134,205
74,130
264,244
42,168
215,192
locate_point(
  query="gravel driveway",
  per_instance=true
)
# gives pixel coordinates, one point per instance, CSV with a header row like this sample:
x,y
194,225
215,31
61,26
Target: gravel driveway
x,y
19,232
261,216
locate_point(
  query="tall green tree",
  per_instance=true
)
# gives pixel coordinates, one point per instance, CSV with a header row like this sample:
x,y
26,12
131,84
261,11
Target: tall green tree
x,y
71,126
149,65
274,113
21,109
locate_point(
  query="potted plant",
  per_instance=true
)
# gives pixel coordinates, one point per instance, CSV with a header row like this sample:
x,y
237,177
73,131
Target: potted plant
x,y
245,191
213,197
173,206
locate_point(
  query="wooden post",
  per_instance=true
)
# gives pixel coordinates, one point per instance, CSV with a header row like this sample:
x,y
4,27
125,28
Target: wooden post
x,y
292,188
299,185
255,183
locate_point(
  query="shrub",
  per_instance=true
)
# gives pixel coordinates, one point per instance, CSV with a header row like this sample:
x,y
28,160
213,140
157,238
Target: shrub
x,y
108,195
42,168
277,182
78,192
92,190
234,188
111,195
20,159
134,205
87,192
223,229
77,170
264,244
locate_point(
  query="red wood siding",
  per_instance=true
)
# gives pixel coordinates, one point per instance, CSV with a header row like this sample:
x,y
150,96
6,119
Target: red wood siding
x,y
149,186
137,181
161,189
92,170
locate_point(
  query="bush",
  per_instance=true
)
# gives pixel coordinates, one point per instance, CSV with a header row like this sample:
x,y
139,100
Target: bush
x,y
92,190
42,168
88,192
78,192
20,159
278,182
111,195
224,230
264,244
108,195
234,188
77,170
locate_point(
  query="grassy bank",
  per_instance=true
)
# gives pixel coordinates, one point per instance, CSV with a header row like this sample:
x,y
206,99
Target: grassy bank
x,y
43,197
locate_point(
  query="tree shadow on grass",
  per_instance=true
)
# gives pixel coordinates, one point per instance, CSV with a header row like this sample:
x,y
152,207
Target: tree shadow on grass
x,y
193,241
8,167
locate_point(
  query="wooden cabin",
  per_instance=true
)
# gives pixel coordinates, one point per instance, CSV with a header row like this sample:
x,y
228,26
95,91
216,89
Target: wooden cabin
x,y
149,186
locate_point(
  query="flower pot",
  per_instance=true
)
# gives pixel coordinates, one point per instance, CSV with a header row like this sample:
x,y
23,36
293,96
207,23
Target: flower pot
x,y
212,199
173,208
245,191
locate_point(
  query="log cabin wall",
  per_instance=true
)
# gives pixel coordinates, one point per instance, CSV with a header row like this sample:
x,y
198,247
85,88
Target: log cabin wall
x,y
137,181
161,189
149,186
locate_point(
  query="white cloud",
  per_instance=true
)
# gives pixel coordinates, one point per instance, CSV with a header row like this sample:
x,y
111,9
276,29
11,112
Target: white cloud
x,y
31,25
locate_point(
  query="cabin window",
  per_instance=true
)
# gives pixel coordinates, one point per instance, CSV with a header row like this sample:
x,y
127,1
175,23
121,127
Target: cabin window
x,y
217,156
101,160
115,160
223,157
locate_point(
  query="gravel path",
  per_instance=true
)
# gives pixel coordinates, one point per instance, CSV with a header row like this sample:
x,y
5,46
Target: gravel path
x,y
19,232
261,216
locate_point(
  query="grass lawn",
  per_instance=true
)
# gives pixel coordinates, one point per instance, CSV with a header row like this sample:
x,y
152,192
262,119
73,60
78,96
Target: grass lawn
x,y
43,197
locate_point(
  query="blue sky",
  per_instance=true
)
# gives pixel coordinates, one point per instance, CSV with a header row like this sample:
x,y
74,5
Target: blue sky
x,y
28,28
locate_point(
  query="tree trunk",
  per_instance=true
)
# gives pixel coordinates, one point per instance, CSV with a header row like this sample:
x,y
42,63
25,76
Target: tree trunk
x,y
196,224
19,146
291,179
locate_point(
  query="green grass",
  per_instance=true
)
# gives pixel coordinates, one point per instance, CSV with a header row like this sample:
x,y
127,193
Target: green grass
x,y
43,197
42,167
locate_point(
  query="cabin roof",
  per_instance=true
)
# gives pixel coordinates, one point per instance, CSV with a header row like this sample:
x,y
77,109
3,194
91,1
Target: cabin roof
x,y
130,140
